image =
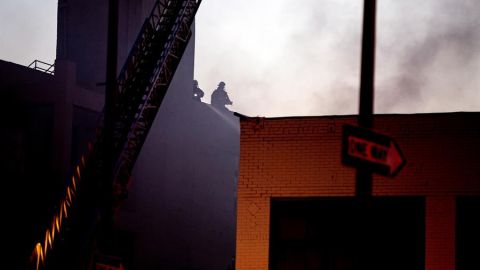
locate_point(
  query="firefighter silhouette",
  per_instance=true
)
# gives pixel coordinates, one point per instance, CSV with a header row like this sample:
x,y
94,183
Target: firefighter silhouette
x,y
197,92
220,97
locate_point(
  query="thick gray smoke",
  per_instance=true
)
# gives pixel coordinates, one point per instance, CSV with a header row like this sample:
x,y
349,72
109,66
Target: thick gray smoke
x,y
433,61
302,57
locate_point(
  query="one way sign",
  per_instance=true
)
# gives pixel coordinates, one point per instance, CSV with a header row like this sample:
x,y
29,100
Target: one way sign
x,y
363,147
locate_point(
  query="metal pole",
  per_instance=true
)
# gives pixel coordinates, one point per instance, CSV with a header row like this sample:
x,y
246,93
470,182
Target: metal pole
x,y
111,76
110,95
365,117
111,87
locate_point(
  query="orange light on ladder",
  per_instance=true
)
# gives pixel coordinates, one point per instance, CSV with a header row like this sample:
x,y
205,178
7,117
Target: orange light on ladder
x,y
40,252
74,183
78,172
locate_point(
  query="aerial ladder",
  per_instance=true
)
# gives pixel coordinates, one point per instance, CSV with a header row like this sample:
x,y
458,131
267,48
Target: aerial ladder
x,y
70,240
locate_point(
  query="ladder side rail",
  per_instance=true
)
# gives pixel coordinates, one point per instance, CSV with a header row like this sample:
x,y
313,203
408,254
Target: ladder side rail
x,y
139,127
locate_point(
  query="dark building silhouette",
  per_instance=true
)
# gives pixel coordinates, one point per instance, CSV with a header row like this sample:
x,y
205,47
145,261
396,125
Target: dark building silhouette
x,y
296,206
180,209
46,119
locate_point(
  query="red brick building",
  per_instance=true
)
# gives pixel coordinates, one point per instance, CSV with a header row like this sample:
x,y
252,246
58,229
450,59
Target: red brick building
x,y
296,204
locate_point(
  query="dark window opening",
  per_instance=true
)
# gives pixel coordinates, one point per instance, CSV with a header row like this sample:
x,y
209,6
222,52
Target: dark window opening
x,y
468,233
341,234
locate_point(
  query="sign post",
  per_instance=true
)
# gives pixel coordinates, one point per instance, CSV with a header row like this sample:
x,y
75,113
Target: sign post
x,y
363,186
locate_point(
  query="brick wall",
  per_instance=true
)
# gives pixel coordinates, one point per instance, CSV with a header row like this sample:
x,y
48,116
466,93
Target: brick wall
x,y
301,157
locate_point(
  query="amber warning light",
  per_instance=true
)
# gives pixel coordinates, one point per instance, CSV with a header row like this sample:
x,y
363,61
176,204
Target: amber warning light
x,y
365,148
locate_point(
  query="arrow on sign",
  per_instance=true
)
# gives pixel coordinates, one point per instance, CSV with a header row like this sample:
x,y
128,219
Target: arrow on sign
x,y
363,147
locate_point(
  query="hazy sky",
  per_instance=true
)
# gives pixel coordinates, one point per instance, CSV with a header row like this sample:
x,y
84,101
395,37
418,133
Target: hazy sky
x,y
302,57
